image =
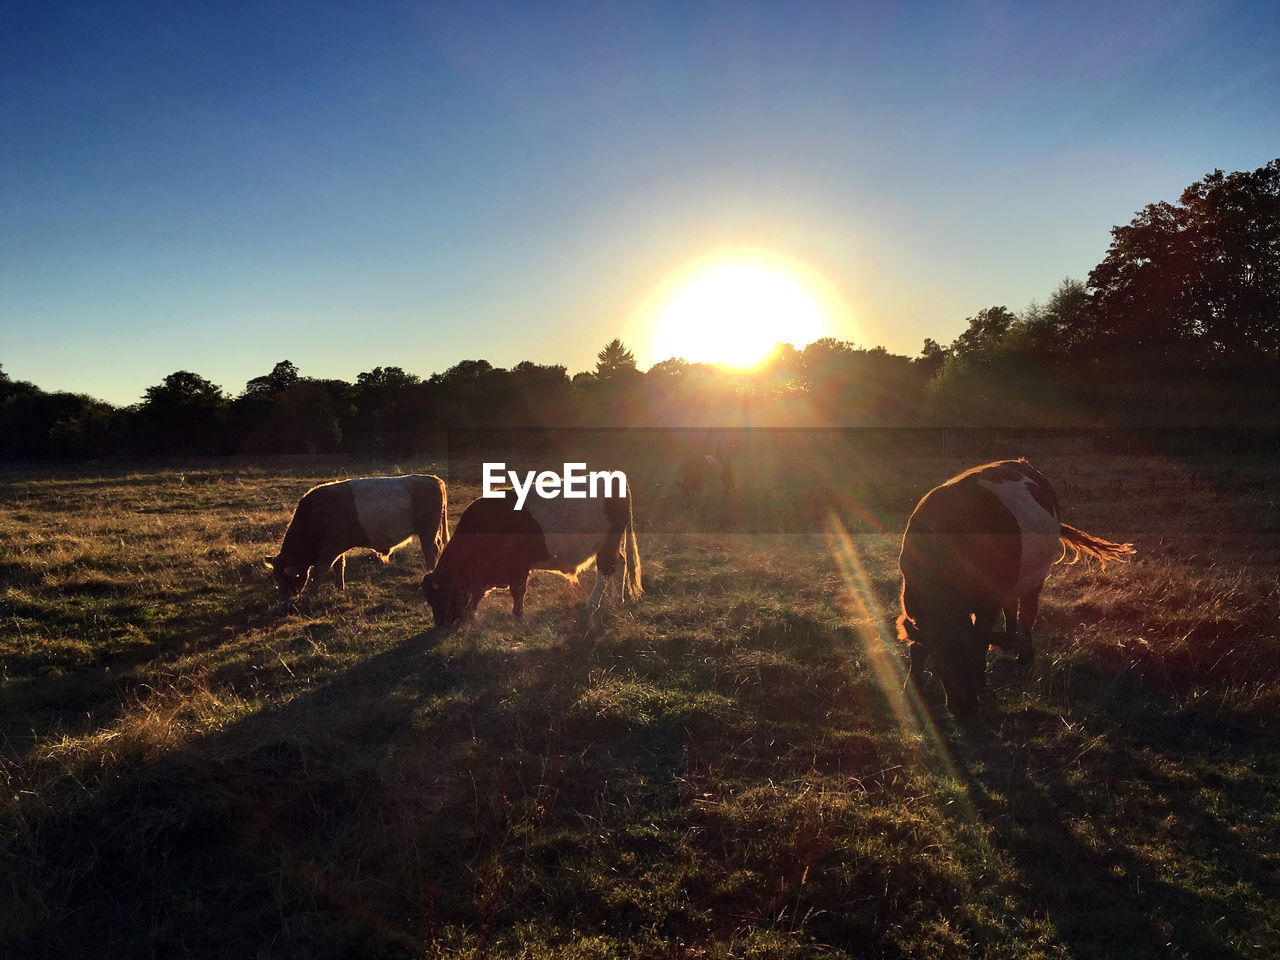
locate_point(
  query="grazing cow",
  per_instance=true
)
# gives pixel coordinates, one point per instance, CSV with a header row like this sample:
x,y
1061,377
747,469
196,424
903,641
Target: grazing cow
x,y
980,544
696,471
496,545
380,513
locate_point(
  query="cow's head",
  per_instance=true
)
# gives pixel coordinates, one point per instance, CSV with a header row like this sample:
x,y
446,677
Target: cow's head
x,y
447,599
289,579
961,663
959,656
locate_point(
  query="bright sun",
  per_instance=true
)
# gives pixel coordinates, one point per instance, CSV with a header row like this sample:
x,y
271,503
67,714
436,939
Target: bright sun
x,y
733,307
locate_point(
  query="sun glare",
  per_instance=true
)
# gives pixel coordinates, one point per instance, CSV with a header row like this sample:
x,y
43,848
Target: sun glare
x,y
733,307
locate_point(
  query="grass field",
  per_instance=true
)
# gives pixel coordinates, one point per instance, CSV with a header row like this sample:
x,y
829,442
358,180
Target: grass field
x,y
190,767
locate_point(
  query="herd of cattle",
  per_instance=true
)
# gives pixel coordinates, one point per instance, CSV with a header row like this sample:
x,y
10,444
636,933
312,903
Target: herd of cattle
x,y
979,545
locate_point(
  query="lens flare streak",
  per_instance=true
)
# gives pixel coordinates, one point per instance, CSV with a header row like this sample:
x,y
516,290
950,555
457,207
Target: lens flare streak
x,y
880,645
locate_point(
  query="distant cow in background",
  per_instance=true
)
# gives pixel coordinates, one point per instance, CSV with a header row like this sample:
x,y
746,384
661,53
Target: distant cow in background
x,y
379,513
980,544
696,472
496,545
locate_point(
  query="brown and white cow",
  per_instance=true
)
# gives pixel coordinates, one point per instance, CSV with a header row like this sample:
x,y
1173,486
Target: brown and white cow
x,y
496,545
379,513
977,545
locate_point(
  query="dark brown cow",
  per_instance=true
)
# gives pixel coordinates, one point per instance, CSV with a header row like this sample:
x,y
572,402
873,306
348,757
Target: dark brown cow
x,y
980,544
497,545
380,513
696,472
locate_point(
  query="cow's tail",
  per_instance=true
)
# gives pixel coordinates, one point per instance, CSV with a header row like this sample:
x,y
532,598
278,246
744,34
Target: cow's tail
x,y
444,514
631,577
1089,545
430,523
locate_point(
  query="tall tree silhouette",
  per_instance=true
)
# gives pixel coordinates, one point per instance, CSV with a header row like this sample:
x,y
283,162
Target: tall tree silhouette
x,y
393,409
614,360
1052,330
985,332
282,376
1197,282
184,414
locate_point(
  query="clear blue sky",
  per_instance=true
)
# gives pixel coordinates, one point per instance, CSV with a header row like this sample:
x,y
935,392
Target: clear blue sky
x,y
218,186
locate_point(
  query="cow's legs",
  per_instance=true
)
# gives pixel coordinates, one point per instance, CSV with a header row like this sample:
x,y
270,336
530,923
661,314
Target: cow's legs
x,y
1029,610
1011,616
331,556
1006,639
474,596
337,569
1013,639
984,626
959,656
1028,613
984,617
597,591
919,657
973,651
619,583
431,545
607,561
1019,617
518,588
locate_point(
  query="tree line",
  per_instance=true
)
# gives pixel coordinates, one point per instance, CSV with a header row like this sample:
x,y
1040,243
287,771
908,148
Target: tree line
x,y
1179,324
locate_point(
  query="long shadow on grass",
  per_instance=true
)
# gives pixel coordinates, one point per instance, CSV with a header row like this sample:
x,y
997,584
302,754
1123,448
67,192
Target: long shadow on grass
x,y
647,783
368,813
1126,838
87,692
238,844
453,788
42,697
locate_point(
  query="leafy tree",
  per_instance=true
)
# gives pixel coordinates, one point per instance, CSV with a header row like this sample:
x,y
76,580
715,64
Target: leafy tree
x,y
282,376
384,384
20,432
1197,282
541,394
10,387
305,416
35,425
392,408
671,367
969,365
932,356
1052,331
184,415
779,373
185,389
465,393
852,385
985,332
90,429
675,391
826,364
463,375
251,425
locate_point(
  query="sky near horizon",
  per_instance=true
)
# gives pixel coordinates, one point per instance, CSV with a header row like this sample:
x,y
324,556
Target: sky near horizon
x,y
215,187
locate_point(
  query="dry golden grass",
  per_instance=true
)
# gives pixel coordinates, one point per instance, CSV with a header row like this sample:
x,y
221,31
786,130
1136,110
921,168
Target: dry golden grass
x,y
727,769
